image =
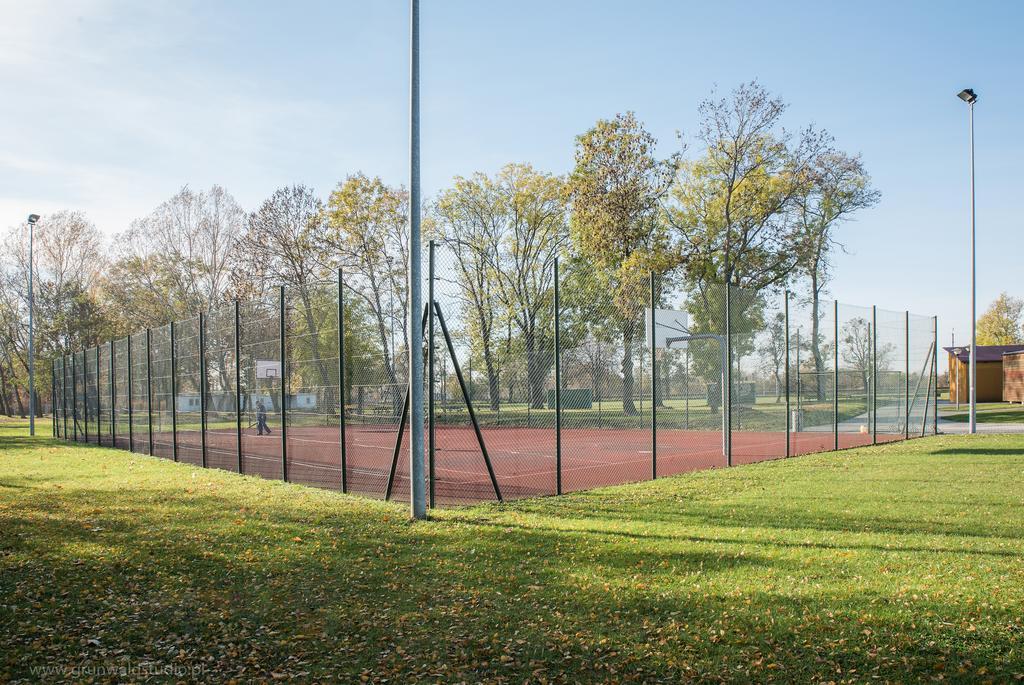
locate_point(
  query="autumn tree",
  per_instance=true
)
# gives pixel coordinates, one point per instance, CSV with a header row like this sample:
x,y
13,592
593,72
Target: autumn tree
x,y
733,209
464,220
175,261
285,242
69,260
1003,322
367,226
615,191
504,233
839,187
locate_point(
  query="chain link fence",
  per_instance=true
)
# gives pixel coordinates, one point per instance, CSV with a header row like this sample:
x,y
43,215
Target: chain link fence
x,y
543,376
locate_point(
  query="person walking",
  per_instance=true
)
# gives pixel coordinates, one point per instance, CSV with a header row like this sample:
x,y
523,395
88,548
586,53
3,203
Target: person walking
x,y
261,418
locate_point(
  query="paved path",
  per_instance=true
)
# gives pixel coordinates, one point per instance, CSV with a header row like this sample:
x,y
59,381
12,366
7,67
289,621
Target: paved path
x,y
960,428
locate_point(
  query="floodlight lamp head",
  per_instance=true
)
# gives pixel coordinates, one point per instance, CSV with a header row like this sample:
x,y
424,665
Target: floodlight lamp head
x,y
968,95
32,218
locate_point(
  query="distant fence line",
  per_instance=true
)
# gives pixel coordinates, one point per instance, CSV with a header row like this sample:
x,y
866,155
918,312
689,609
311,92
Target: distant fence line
x,y
567,385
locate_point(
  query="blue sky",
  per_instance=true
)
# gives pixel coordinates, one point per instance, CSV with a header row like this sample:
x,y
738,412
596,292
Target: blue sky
x,y
110,107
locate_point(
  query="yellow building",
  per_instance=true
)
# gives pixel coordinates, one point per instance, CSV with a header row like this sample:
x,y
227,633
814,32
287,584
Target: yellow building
x,y
990,372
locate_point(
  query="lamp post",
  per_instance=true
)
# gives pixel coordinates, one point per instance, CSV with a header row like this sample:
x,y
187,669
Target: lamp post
x,y
32,219
970,97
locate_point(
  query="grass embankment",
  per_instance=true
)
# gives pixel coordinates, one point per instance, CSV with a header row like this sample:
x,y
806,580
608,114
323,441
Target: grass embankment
x,y
901,562
988,412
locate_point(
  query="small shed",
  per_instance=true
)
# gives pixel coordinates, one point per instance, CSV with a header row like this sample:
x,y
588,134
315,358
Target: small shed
x,y
989,383
1013,376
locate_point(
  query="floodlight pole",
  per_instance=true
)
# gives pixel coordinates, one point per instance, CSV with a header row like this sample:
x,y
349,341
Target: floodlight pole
x,y
974,295
418,506
970,97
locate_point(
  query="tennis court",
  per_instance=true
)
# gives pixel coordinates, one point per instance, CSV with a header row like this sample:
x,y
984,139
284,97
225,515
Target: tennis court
x,y
523,459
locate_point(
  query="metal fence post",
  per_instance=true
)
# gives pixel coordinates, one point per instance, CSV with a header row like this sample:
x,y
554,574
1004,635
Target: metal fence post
x,y
835,374
935,375
558,385
431,431
238,388
202,387
906,375
131,399
727,376
85,393
113,398
74,395
53,397
149,391
785,310
174,394
341,380
99,414
874,374
284,392
654,385
64,397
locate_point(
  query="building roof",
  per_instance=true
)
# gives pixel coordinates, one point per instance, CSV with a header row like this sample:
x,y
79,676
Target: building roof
x,y
986,353
1007,354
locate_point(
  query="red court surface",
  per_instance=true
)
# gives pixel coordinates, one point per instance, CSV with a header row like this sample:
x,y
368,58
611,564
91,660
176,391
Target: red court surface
x,y
523,458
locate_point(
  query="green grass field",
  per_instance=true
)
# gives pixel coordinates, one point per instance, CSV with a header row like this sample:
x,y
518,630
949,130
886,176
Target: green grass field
x,y
988,412
898,563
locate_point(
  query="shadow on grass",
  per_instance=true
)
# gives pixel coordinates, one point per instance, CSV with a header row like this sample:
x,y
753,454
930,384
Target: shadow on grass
x,y
991,451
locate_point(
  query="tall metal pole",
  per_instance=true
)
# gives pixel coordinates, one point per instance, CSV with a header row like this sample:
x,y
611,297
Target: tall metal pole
x,y
31,332
418,505
974,298
558,386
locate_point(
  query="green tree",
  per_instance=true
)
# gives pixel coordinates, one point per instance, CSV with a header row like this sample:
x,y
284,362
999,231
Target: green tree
x,y
733,208
615,191
1003,322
